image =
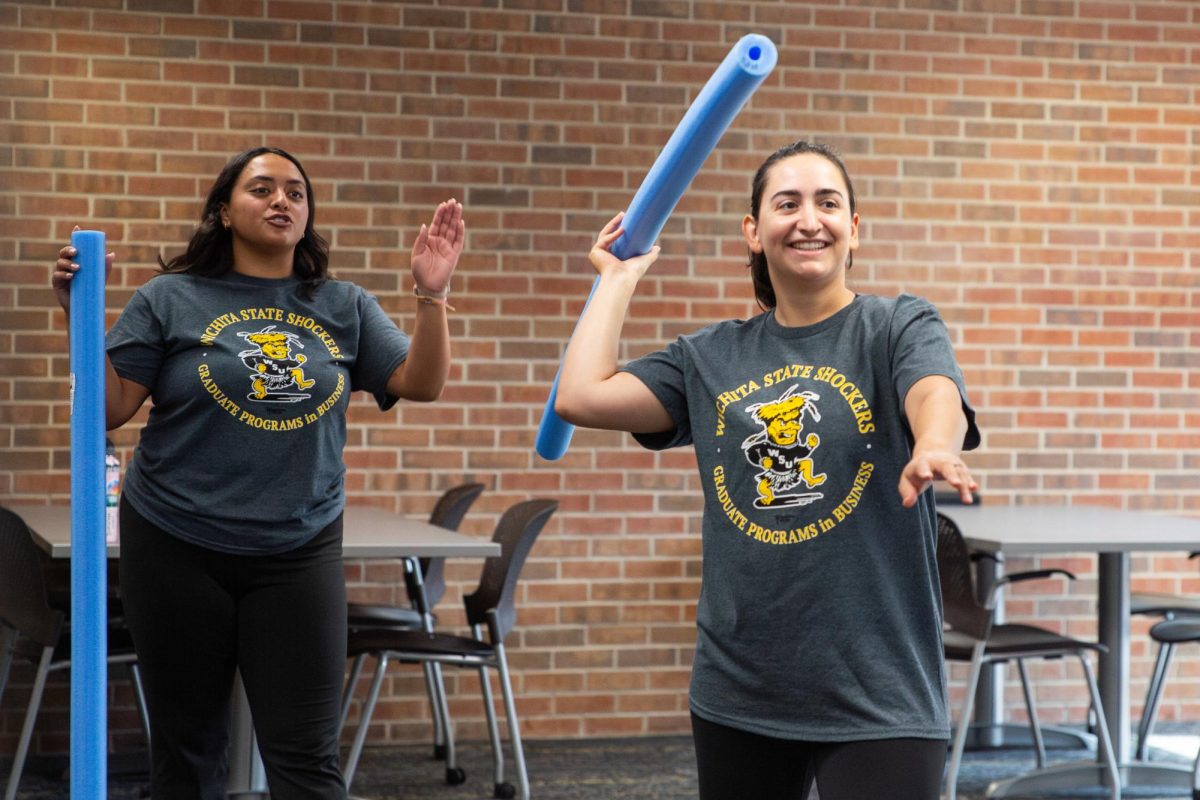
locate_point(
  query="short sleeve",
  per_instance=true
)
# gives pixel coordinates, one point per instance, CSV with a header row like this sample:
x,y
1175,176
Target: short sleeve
x,y
135,342
920,346
382,347
664,373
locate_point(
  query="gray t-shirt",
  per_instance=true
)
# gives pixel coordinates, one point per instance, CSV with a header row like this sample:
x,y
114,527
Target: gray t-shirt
x,y
820,614
242,451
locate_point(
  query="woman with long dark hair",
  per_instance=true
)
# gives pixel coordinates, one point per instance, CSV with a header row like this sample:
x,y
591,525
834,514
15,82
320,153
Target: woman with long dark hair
x,y
231,512
818,425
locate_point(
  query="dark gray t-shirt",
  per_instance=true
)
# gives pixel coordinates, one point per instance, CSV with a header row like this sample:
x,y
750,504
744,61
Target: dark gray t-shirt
x,y
242,451
820,614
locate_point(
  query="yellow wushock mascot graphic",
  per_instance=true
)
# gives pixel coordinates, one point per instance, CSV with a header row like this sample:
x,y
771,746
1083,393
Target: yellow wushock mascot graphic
x,y
785,460
273,367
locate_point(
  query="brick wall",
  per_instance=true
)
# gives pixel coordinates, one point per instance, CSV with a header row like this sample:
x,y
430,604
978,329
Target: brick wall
x,y
1031,166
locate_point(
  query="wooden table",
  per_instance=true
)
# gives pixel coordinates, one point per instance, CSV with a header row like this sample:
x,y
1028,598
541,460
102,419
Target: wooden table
x,y
368,532
1113,534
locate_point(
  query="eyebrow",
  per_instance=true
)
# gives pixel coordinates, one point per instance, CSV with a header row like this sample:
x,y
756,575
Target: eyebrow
x,y
797,193
269,179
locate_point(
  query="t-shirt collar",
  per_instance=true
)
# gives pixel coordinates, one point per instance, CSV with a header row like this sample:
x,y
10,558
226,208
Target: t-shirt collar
x,y
784,332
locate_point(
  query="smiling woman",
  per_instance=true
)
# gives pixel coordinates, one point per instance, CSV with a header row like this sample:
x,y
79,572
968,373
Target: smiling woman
x,y
231,513
818,426
827,219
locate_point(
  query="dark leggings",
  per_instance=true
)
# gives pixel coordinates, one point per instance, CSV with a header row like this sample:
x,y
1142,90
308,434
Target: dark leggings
x,y
735,764
197,615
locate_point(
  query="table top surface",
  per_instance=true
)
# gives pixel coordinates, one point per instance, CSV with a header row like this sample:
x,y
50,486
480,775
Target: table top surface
x,y
1058,529
368,532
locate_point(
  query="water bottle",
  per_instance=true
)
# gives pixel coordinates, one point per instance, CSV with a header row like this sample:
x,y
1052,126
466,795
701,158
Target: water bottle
x,y
112,485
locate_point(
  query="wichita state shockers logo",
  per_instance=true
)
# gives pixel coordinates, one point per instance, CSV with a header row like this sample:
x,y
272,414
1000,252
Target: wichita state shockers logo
x,y
273,368
785,458
789,470
276,371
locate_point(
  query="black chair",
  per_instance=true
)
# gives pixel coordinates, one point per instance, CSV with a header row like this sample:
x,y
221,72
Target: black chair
x,y
491,605
971,636
33,630
425,585
1169,634
1170,606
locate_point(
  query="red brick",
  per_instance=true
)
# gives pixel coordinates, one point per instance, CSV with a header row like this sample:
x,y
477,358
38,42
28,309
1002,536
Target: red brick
x,y
1027,165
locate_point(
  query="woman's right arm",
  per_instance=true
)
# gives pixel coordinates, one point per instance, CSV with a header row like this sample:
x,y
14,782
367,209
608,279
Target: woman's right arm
x,y
122,398
591,391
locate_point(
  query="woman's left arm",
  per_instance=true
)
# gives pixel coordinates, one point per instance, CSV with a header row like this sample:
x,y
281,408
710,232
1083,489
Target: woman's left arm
x,y
935,414
422,375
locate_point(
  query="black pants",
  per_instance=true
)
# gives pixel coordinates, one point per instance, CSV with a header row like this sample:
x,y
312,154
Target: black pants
x,y
197,615
737,765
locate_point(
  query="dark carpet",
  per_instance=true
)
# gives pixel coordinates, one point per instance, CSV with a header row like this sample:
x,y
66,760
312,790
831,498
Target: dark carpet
x,y
645,768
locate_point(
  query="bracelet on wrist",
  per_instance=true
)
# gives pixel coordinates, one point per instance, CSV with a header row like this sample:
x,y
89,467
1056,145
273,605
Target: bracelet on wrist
x,y
433,300
442,295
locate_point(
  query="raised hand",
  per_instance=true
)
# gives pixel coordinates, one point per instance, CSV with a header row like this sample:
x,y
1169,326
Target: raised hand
x,y
603,259
436,251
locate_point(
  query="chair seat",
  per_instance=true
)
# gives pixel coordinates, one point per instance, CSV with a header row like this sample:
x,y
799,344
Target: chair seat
x,y
362,615
1016,641
1152,603
418,642
120,645
1174,631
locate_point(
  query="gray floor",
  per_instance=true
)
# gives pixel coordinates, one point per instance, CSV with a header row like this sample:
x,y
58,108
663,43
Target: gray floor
x,y
645,768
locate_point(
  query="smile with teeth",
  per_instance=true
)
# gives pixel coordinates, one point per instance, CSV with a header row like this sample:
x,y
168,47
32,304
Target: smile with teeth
x,y
279,220
809,245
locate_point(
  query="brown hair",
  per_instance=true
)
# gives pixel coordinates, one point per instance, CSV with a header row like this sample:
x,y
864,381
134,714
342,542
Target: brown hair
x,y
210,251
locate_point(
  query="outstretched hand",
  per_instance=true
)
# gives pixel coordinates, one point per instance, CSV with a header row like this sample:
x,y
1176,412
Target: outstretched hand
x,y
926,467
64,271
436,251
602,257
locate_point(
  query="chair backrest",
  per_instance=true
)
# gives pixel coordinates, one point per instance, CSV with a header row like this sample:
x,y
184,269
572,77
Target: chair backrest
x,y
448,513
960,604
516,532
23,603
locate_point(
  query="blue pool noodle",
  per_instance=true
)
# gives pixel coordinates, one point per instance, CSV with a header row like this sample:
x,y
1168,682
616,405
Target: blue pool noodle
x,y
745,67
89,612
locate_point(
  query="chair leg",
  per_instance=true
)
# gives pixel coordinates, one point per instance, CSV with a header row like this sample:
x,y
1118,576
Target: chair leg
x,y
1034,726
1196,778
432,674
489,710
35,701
514,730
964,723
139,697
364,720
348,691
1153,697
441,713
1110,757
435,687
